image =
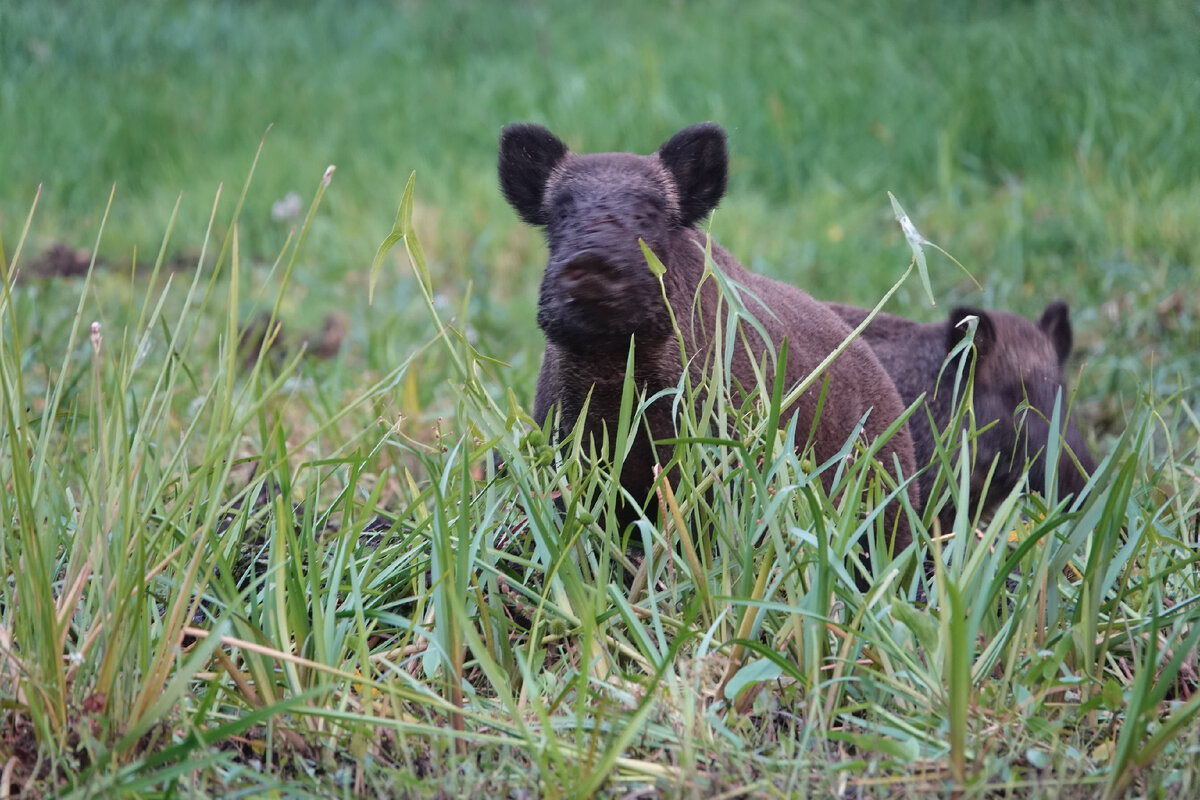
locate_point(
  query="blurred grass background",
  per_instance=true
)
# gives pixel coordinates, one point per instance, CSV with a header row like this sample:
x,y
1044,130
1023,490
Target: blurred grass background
x,y
1054,149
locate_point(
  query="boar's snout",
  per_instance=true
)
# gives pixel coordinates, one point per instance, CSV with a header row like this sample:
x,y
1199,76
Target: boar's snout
x,y
587,275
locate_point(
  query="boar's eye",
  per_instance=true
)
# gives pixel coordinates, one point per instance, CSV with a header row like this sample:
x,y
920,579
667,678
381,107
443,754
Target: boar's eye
x,y
650,205
563,205
563,198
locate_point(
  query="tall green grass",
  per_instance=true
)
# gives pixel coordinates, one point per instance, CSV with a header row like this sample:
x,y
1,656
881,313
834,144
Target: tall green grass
x,y
221,578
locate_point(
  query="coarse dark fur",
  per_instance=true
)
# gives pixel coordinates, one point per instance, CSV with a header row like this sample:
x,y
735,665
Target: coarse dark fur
x,y
1018,363
598,293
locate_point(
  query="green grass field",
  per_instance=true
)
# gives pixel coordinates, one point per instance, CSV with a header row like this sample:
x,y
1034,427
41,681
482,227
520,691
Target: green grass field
x,y
240,569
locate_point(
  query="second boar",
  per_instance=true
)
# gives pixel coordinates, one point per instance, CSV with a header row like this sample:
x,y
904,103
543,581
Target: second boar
x,y
1018,362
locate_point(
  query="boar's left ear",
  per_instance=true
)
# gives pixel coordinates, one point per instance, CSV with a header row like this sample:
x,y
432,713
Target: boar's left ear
x,y
985,331
528,154
1055,322
699,161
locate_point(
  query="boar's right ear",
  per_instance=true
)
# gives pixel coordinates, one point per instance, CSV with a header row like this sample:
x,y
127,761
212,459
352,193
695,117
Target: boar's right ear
x,y
1055,322
528,154
699,161
985,331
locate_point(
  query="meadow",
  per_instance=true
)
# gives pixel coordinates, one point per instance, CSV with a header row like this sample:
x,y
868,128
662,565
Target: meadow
x,y
257,541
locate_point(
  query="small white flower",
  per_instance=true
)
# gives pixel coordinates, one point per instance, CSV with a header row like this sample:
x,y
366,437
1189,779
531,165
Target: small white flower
x,y
288,208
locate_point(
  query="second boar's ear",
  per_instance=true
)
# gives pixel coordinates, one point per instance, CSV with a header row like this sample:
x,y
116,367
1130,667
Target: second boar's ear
x,y
1055,322
985,331
699,161
528,154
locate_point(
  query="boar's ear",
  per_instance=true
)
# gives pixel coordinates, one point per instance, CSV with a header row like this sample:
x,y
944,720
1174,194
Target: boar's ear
x,y
1055,322
528,154
698,160
985,331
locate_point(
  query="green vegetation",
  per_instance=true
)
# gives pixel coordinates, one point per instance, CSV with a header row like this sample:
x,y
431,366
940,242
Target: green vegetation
x,y
233,563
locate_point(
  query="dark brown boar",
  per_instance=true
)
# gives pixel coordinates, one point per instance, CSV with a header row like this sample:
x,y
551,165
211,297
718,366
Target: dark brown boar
x,y
598,295
1018,366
